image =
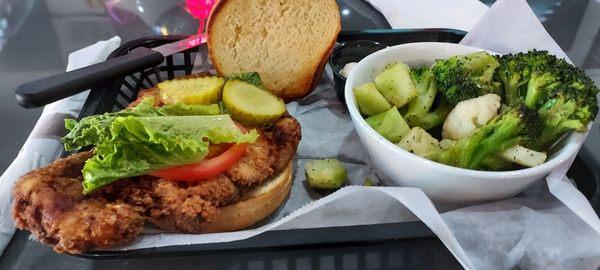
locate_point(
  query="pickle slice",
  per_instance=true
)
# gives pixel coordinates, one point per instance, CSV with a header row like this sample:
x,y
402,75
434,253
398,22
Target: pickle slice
x,y
325,173
370,101
195,90
251,105
389,124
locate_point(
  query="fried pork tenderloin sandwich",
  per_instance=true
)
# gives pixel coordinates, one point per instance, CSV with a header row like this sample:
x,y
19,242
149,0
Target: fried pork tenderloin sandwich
x,y
194,155
179,157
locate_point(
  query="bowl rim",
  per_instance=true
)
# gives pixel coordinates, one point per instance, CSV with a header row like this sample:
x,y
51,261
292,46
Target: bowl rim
x,y
573,141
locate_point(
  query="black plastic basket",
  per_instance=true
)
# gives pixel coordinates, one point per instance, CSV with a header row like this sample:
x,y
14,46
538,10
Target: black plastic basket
x,y
117,94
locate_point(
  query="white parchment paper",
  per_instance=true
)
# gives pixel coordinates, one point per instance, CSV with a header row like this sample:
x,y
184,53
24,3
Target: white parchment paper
x,y
548,226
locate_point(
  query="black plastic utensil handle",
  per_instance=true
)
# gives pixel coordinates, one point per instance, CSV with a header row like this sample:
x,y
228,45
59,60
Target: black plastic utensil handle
x,y
43,91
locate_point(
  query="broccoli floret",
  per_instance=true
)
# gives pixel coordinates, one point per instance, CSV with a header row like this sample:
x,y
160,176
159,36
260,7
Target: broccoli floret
x,y
547,72
529,77
540,83
513,74
431,119
464,77
563,112
564,97
420,112
519,125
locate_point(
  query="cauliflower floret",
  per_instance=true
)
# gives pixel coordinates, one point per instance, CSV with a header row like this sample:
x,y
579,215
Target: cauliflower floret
x,y
470,114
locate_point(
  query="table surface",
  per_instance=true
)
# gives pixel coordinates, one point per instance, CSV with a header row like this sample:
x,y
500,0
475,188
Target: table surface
x,y
37,36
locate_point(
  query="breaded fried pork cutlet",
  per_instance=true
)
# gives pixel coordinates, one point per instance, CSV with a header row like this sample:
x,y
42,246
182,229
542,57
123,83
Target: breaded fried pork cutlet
x,y
103,197
50,203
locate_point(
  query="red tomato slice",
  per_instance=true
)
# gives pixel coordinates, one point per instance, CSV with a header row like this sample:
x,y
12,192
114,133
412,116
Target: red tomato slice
x,y
206,168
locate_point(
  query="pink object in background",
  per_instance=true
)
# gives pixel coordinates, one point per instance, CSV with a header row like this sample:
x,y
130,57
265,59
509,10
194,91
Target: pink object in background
x,y
200,9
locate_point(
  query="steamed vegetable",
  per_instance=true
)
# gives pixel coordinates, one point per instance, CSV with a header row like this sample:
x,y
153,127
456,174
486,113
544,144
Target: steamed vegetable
x,y
497,111
566,110
370,101
420,143
564,97
526,76
395,85
464,77
137,141
446,143
194,90
389,124
517,126
523,156
421,110
470,114
325,173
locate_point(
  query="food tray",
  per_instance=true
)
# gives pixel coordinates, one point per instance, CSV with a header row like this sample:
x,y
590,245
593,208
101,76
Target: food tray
x,y
118,93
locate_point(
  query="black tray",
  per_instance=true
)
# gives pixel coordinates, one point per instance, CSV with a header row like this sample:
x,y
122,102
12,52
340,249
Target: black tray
x,y
116,94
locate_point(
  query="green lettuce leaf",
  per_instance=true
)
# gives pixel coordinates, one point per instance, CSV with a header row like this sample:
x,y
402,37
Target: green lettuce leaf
x,y
144,139
86,132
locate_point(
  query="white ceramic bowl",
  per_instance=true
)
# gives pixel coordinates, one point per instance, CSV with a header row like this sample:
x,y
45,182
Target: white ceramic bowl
x,y
440,182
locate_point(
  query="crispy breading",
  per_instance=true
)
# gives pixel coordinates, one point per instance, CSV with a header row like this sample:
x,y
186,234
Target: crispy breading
x,y
187,206
285,135
269,155
97,223
50,203
253,167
